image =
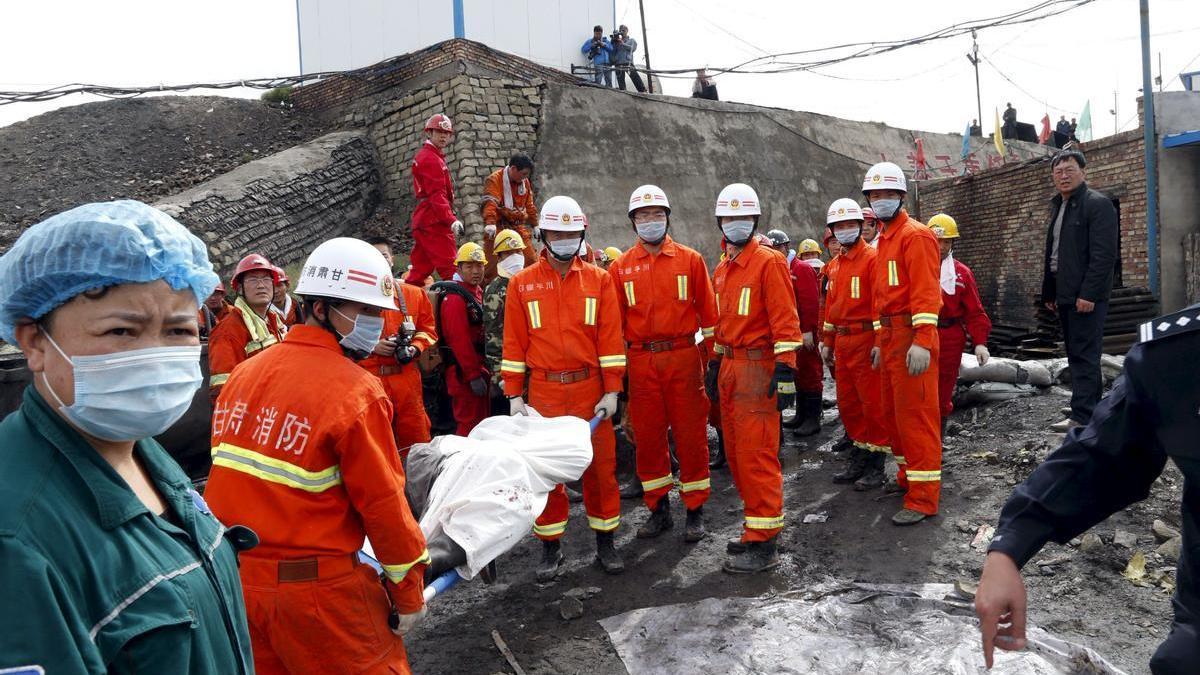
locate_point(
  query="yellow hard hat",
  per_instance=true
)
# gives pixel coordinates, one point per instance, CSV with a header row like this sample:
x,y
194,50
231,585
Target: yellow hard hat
x,y
943,226
470,252
810,246
612,252
508,240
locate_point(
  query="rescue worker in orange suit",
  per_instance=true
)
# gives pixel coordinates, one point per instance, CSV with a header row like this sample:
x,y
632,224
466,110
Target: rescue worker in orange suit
x,y
666,296
214,309
407,333
907,300
434,225
810,373
757,335
250,327
289,308
467,378
849,336
303,455
508,204
962,315
562,332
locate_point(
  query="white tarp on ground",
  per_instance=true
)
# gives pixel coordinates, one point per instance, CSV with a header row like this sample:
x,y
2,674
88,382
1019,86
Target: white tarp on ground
x,y
840,628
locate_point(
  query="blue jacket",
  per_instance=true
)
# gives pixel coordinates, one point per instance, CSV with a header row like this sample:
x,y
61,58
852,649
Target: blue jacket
x,y
602,56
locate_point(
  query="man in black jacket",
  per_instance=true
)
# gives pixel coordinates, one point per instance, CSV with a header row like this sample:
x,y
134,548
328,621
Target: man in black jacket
x,y
1081,254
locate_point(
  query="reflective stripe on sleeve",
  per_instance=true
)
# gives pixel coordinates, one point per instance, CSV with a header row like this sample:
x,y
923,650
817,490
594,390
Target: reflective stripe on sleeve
x,y
612,361
756,523
876,325
507,366
424,336
711,331
829,328
275,470
785,347
786,387
218,379
924,319
396,573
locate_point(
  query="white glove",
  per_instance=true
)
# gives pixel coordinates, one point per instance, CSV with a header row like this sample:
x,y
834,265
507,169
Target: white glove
x,y
489,230
807,340
516,406
874,358
982,354
409,621
826,354
917,360
607,407
537,233
457,228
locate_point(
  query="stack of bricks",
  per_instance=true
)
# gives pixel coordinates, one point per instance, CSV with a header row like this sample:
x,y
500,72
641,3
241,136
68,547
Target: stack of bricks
x,y
1003,216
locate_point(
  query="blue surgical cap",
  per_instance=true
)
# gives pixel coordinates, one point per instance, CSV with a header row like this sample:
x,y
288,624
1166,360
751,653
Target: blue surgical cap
x,y
96,246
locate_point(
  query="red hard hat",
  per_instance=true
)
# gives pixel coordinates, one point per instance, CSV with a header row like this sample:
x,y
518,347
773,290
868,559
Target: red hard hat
x,y
283,277
828,235
439,122
220,287
251,263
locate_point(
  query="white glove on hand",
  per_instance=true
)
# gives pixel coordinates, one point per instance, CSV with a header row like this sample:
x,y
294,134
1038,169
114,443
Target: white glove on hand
x,y
537,233
457,228
807,340
516,406
874,358
489,230
409,621
917,360
826,354
982,354
607,407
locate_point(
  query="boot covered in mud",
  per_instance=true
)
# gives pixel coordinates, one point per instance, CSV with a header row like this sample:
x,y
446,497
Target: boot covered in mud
x,y
718,459
808,411
606,554
659,521
632,489
552,558
843,444
873,475
759,556
856,465
694,531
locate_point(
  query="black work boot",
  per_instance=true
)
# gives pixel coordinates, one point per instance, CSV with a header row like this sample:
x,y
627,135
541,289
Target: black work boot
x,y
606,554
552,558
735,546
856,465
632,489
694,531
718,459
873,476
759,556
810,409
843,444
659,521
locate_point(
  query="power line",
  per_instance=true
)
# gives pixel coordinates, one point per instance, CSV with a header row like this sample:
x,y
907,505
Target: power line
x,y
1023,91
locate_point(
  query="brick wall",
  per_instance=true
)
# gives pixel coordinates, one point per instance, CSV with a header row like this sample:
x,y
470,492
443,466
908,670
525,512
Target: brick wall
x,y
1003,215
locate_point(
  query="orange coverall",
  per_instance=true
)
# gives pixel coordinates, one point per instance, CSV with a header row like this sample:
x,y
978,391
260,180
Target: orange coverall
x,y
757,327
410,423
962,314
231,343
849,331
303,455
664,300
565,334
465,339
907,300
521,217
433,240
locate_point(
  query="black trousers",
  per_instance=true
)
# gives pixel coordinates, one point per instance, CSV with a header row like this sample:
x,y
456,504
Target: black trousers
x,y
623,68
1082,334
1180,652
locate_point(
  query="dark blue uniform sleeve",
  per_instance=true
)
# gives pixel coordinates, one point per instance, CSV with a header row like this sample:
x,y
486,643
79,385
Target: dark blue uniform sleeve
x,y
1099,470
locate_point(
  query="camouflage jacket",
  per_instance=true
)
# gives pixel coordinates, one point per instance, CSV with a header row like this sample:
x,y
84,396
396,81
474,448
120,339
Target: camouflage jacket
x,y
493,324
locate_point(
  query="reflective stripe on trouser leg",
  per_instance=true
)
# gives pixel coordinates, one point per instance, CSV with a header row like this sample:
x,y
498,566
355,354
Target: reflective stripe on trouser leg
x,y
681,377
914,407
552,522
952,340
751,426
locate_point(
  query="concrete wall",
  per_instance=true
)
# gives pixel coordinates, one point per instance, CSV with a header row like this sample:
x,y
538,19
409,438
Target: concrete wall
x,y
1178,203
283,205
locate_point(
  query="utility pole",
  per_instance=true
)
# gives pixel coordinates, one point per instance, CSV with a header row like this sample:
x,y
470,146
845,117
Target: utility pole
x,y
646,48
1150,146
1116,114
973,57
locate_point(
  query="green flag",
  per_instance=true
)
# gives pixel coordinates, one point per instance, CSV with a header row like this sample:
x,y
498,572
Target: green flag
x,y
1083,131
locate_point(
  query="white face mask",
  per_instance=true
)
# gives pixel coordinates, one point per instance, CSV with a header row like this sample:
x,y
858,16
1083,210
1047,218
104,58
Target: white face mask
x,y
652,232
885,209
737,232
365,335
508,267
846,237
565,249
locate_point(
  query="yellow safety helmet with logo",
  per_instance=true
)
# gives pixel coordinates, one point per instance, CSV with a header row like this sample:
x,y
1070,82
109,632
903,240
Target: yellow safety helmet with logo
x,y
612,252
943,226
508,240
809,246
470,252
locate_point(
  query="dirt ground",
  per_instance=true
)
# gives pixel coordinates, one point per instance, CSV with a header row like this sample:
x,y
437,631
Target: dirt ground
x,y
1080,596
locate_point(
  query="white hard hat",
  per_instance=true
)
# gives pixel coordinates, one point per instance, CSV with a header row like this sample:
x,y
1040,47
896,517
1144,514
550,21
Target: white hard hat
x,y
738,199
562,214
648,195
884,176
843,209
348,269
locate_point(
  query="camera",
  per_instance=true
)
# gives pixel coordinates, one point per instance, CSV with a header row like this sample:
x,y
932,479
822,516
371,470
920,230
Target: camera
x,y
597,45
616,37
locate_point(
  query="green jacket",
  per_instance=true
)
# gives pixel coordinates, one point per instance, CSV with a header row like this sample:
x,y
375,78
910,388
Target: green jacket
x,y
493,324
90,580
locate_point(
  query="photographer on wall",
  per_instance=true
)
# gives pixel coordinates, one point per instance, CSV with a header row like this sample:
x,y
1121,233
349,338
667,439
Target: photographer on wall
x,y
623,46
598,50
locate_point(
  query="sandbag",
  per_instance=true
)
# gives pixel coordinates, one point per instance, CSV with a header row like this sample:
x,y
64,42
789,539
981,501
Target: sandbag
x,y
1009,371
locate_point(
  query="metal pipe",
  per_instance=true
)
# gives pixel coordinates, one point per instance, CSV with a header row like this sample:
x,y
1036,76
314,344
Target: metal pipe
x,y
645,48
1150,143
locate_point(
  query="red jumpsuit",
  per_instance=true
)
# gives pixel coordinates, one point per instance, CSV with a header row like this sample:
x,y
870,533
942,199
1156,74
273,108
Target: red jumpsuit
x,y
810,373
433,240
849,331
757,327
402,382
303,455
665,299
464,335
962,314
564,333
907,300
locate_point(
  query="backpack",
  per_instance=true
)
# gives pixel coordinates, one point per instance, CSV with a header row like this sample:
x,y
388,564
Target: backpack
x,y
437,293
